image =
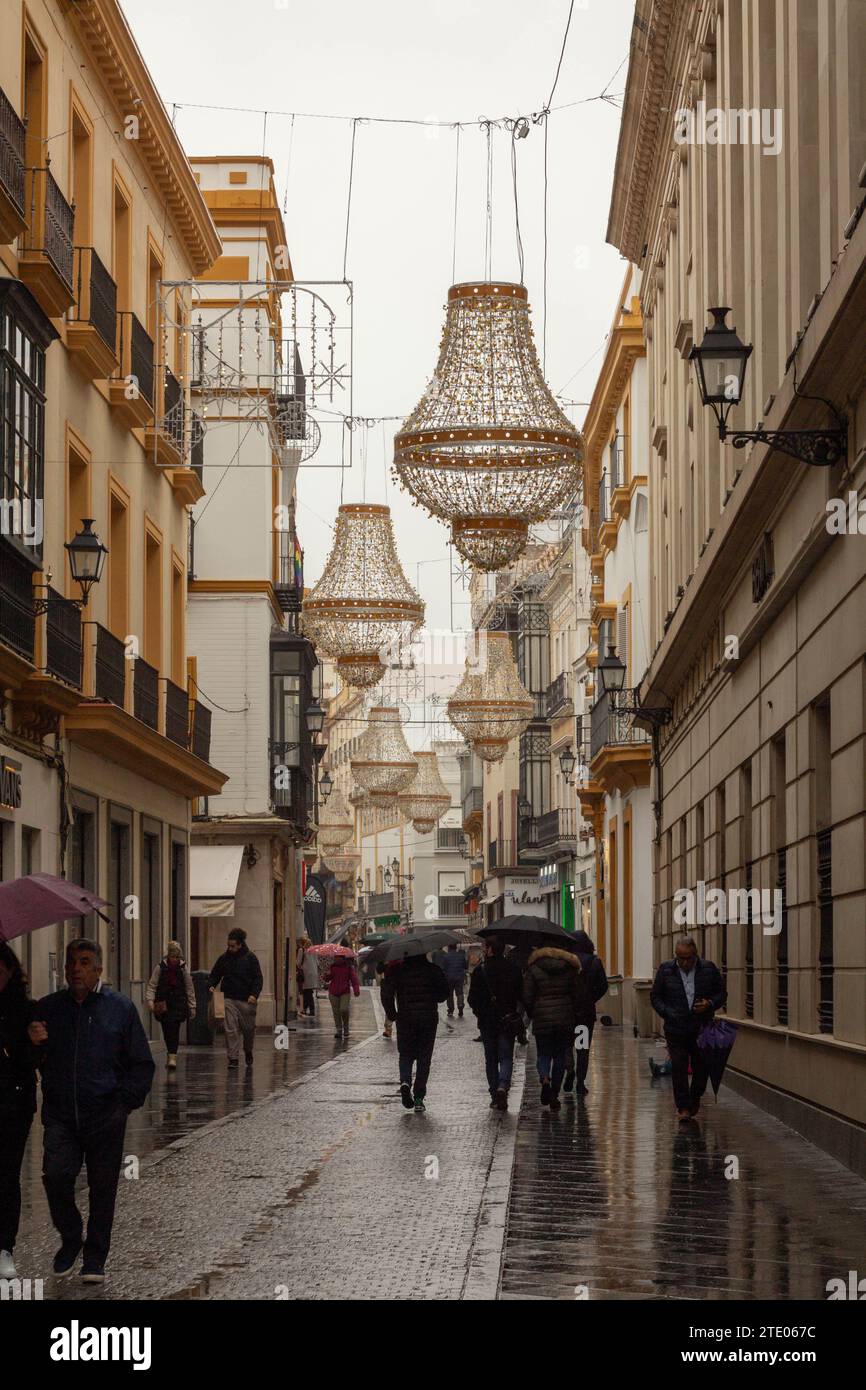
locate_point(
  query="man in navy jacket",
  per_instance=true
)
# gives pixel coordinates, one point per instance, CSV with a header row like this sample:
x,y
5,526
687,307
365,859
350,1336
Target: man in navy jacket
x,y
686,993
96,1067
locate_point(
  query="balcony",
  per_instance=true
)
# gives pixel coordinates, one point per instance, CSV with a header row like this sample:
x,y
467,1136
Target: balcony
x,y
145,693
291,799
110,669
289,587
12,196
17,618
559,697
502,855
620,752
449,838
177,714
164,436
381,904
473,808
131,392
452,908
46,256
91,326
63,641
201,722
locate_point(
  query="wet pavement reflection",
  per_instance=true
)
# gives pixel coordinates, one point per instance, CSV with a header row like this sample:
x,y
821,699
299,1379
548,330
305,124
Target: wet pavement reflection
x,y
614,1198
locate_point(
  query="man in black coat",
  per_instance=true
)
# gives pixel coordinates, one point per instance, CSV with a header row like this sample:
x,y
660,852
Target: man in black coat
x,y
96,1067
240,976
596,986
495,992
412,990
686,993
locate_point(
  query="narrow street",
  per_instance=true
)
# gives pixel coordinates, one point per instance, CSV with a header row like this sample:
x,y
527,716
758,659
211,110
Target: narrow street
x,y
310,1181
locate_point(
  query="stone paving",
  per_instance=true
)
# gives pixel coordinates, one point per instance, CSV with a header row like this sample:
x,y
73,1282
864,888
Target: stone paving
x,y
613,1198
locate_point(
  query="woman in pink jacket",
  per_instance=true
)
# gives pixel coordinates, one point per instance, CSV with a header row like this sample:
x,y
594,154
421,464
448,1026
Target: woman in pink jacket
x,y
343,981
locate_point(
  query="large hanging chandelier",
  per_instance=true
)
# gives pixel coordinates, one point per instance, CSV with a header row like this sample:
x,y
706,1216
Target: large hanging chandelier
x,y
426,798
363,601
385,764
490,706
345,866
487,447
336,823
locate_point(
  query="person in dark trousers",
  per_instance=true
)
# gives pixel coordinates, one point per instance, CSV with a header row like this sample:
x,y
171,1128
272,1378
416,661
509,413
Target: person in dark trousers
x,y
453,965
381,971
308,968
239,975
495,993
96,1067
412,990
17,1098
170,996
343,982
555,995
686,993
596,986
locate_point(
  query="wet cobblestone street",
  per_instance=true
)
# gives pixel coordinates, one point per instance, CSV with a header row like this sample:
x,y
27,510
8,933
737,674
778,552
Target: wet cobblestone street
x,y
309,1180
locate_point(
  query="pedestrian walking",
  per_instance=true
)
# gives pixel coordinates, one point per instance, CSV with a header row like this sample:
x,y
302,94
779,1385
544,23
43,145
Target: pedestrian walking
x,y
596,988
381,971
554,994
17,1098
309,972
343,982
453,966
495,993
412,990
239,976
96,1067
686,993
170,996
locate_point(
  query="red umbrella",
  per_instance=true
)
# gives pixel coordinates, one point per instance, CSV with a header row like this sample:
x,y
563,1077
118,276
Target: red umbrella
x,y
39,900
329,948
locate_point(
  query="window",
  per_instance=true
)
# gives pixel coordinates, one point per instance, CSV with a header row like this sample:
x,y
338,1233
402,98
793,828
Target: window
x,y
122,245
748,877
77,497
118,561
81,175
150,896
178,611
24,337
824,863
721,836
780,838
178,888
152,652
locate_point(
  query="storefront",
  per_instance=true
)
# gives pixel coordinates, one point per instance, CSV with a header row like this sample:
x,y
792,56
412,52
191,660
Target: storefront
x,y
30,843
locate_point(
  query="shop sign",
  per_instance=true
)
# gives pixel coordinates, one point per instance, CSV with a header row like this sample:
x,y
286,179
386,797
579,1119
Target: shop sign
x,y
10,784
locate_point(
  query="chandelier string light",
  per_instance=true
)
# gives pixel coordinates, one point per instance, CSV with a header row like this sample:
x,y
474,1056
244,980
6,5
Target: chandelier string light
x,y
487,447
427,798
490,706
363,601
336,823
385,763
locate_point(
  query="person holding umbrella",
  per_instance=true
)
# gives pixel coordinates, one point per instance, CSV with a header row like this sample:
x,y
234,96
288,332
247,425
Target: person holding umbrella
x,y
495,992
686,993
596,987
412,990
342,983
17,1098
555,996
170,996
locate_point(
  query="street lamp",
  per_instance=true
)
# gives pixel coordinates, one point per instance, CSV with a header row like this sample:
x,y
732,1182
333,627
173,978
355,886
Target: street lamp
x,y
524,810
720,366
315,717
386,878
567,762
86,563
395,865
326,785
611,672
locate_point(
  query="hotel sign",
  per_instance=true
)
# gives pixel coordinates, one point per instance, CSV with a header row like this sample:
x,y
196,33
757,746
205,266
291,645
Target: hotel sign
x,y
10,784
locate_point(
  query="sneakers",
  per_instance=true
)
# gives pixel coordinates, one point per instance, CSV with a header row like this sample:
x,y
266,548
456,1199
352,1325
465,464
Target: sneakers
x,y
233,1062
555,1103
7,1265
171,1062
92,1272
501,1101
65,1258
546,1093
248,1058
419,1103
568,1083
406,1095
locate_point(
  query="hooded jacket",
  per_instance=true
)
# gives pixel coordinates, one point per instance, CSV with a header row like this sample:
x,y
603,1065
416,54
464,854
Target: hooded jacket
x,y
239,974
97,1056
495,990
412,991
594,971
554,990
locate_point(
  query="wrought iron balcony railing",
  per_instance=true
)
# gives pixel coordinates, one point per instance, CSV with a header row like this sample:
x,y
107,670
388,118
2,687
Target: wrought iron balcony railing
x,y
63,640
145,691
95,295
473,802
17,617
201,722
135,354
110,667
449,837
12,138
176,714
610,726
452,906
51,221
558,695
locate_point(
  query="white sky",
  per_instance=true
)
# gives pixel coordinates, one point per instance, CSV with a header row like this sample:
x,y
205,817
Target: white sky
x,y
448,60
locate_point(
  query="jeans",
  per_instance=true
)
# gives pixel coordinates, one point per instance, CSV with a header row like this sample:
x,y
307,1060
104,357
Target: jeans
x,y
340,1008
171,1034
309,1001
240,1019
98,1143
682,1049
498,1059
415,1042
458,990
14,1129
554,1050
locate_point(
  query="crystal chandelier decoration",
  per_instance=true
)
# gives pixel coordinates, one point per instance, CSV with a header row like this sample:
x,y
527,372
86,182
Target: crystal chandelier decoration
x,y
345,865
385,764
336,823
487,447
490,706
426,798
363,601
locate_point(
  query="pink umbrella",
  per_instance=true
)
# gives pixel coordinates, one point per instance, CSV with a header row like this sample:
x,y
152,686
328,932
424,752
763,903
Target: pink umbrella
x,y
329,948
26,904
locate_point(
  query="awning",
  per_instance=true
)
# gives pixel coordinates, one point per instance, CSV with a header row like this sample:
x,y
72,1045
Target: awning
x,y
213,879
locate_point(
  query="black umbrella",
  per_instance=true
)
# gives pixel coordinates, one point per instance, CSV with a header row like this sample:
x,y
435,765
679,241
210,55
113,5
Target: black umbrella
x,y
715,1042
520,930
417,944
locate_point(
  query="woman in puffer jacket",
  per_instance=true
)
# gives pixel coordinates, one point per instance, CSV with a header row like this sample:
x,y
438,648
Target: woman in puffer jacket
x,y
554,995
170,996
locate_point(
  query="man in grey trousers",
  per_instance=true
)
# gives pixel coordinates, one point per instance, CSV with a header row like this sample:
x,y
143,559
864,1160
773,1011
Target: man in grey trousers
x,y
239,975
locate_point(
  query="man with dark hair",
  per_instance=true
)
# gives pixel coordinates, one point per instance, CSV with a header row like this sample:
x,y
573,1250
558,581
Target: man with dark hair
x,y
686,993
495,993
96,1067
412,990
239,975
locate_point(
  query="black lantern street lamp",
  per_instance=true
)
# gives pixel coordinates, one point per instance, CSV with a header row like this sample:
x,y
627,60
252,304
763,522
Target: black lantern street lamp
x,y
86,563
395,865
326,785
567,762
720,365
386,878
611,671
359,884
315,717
524,810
